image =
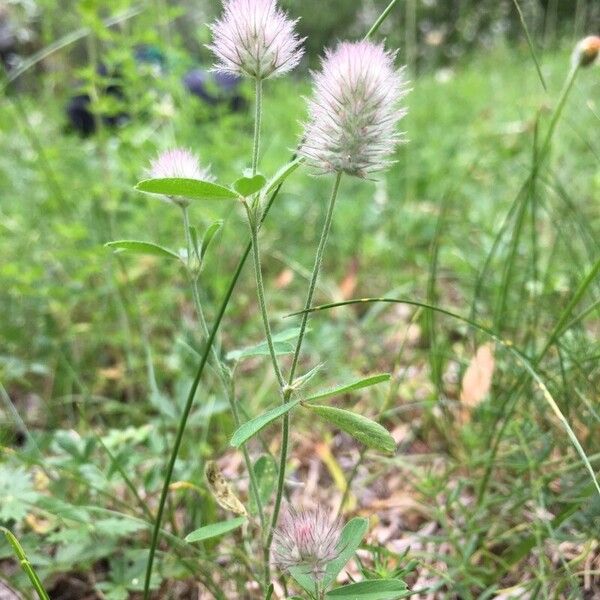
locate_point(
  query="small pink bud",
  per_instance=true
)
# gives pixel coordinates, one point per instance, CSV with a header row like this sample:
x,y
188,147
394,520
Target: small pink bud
x,y
306,539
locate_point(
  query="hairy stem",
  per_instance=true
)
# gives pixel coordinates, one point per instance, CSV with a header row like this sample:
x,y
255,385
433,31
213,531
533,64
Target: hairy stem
x,y
219,367
257,126
285,429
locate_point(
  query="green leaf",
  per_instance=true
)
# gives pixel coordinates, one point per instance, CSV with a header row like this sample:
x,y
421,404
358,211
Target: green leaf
x,y
368,432
187,188
350,387
139,247
262,349
248,186
352,535
195,243
282,175
215,529
209,235
251,428
265,471
377,589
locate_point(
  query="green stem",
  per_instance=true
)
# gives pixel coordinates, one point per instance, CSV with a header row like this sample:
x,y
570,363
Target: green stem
x,y
382,17
260,290
289,388
219,367
257,126
25,564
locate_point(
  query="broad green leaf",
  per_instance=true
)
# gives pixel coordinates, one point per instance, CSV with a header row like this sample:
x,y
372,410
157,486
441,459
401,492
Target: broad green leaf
x,y
139,247
282,175
187,188
368,432
215,529
248,186
209,235
350,387
377,589
352,535
251,428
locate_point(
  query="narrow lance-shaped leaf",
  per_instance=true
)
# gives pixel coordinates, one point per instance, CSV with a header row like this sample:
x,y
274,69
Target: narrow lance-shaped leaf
x,y
282,175
251,428
187,188
209,235
368,432
350,539
140,247
377,589
215,529
350,387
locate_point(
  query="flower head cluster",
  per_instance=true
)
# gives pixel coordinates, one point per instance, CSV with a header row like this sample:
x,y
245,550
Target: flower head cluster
x,y
355,110
306,539
587,51
177,163
255,38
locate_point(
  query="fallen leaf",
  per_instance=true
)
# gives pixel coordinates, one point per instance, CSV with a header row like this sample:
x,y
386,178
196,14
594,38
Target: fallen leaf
x,y
284,279
477,380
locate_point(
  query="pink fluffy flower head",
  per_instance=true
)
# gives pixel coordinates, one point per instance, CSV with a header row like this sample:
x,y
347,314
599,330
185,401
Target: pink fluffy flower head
x,y
177,163
355,110
255,38
307,540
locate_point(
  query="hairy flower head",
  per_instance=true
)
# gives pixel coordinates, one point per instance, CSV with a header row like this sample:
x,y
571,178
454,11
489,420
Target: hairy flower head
x,y
255,38
306,539
355,110
177,163
587,51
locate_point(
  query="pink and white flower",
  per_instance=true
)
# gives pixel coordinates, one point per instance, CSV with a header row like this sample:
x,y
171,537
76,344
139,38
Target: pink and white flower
x,y
355,110
177,163
307,540
255,38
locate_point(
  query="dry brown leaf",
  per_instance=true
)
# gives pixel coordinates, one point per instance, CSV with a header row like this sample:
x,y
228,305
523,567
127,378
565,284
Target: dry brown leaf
x,y
348,284
477,380
284,279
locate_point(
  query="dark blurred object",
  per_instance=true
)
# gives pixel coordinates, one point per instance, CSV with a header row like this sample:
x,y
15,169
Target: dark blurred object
x,y
79,109
18,31
8,39
215,89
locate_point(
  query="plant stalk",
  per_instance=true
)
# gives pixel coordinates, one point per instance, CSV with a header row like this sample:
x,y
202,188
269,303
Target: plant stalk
x,y
288,390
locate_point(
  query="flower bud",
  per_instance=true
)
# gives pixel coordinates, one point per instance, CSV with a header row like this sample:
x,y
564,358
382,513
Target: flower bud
x,y
307,540
587,51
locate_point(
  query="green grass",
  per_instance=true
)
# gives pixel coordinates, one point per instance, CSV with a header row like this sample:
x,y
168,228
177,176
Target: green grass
x,y
98,351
